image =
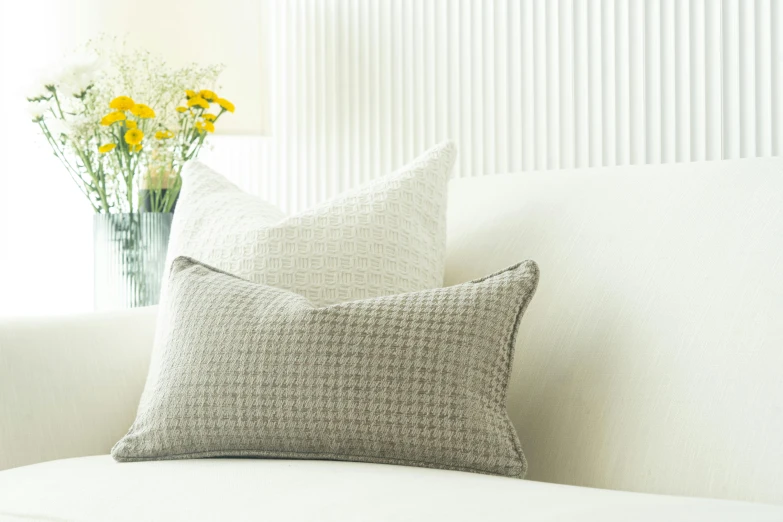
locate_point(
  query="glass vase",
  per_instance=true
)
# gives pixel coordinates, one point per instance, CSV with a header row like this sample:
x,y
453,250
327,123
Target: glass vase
x,y
130,257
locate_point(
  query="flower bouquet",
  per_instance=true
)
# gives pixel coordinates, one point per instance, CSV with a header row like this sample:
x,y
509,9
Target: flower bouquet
x,y
123,123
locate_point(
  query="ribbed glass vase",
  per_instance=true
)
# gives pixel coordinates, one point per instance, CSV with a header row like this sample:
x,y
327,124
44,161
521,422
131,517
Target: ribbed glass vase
x,y
130,257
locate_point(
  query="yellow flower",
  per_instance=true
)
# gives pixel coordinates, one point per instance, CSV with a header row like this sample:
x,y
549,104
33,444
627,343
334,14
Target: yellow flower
x,y
130,124
208,95
121,103
190,94
142,111
207,126
210,117
164,135
136,148
198,100
181,109
103,149
225,104
112,117
134,137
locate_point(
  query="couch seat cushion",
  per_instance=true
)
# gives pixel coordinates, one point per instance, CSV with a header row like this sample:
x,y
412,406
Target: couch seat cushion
x,y
99,489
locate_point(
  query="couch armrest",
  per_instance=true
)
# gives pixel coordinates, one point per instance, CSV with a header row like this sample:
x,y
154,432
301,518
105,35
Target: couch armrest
x,y
70,386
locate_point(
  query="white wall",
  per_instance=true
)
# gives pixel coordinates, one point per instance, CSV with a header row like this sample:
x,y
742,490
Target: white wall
x,y
45,227
361,86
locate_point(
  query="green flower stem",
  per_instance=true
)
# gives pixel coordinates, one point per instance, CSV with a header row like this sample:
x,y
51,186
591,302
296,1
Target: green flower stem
x,y
59,107
88,167
100,167
126,164
129,179
83,186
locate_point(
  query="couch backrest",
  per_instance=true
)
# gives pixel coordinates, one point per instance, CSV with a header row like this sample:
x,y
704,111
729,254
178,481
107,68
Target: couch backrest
x,y
651,358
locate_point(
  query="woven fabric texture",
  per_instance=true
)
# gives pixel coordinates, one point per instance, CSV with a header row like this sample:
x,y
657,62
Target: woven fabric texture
x,y
416,379
386,237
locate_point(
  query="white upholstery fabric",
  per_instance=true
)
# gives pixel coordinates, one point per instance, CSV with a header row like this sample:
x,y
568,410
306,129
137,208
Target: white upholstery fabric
x,y
385,237
652,351
651,357
99,489
69,386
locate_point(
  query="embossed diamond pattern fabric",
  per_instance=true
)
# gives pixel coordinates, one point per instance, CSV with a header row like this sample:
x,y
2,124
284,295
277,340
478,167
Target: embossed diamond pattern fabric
x,y
251,370
386,237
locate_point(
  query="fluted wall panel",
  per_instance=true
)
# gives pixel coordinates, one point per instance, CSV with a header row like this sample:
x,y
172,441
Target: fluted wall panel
x,y
359,87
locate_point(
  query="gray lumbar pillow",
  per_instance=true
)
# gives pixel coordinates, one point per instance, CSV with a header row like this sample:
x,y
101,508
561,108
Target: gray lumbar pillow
x,y
248,370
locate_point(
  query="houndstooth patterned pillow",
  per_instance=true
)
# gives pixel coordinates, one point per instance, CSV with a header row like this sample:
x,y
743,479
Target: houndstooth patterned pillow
x,y
417,379
386,237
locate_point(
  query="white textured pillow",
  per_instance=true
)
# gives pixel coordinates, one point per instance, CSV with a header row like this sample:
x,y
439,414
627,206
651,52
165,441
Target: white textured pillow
x,y
386,237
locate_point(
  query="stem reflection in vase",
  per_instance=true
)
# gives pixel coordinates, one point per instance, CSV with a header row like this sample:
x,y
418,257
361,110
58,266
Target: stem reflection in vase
x,y
130,256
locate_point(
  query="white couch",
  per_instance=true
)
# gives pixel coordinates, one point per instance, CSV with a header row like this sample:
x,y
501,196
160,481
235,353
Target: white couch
x,y
650,360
